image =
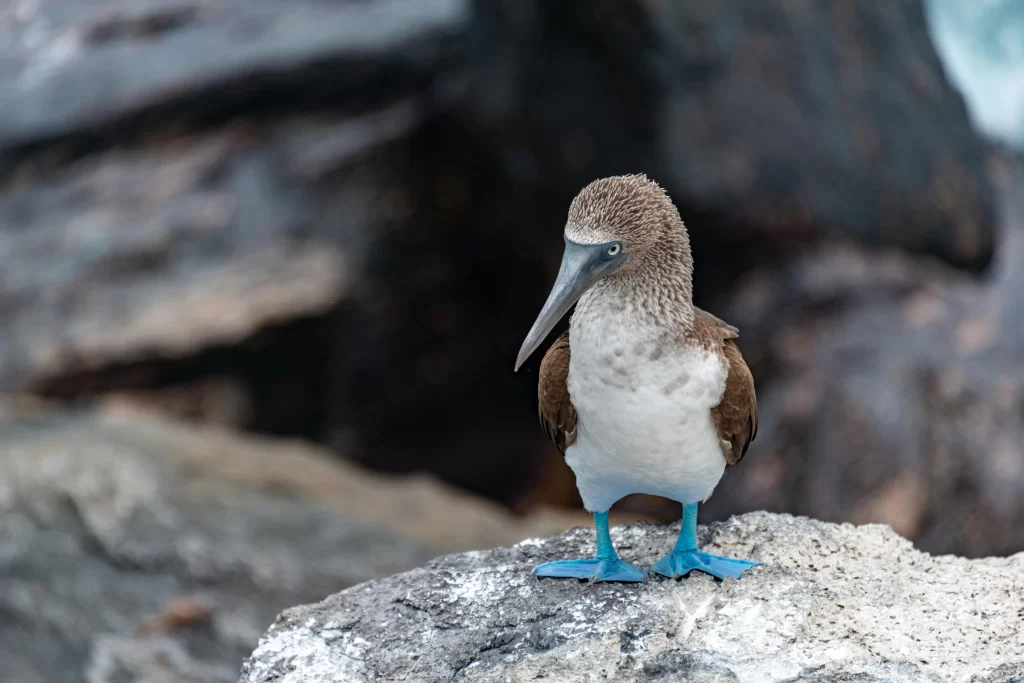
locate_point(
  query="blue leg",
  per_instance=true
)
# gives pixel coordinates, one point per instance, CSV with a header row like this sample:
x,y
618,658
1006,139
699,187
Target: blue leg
x,y
685,557
605,567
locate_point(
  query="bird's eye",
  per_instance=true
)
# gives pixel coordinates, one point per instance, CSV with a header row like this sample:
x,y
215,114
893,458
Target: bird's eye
x,y
614,249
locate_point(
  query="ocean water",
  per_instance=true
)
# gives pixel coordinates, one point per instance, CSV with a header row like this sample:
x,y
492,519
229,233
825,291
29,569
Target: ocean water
x,y
981,43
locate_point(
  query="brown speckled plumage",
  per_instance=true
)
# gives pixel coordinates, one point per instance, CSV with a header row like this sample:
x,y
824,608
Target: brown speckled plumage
x,y
640,214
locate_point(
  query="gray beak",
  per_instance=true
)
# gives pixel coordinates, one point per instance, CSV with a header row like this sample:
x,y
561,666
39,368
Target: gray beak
x,y
582,266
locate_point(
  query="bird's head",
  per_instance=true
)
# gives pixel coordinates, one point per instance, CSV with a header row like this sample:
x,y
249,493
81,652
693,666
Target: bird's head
x,y
616,226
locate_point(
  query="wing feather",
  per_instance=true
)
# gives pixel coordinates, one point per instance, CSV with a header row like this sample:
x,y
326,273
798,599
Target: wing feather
x,y
557,414
736,415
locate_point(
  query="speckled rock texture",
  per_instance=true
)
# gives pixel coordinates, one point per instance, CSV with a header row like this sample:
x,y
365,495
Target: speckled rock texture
x,y
829,603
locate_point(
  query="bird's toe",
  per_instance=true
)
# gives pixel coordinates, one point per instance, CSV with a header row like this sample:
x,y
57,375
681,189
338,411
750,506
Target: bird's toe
x,y
679,563
594,570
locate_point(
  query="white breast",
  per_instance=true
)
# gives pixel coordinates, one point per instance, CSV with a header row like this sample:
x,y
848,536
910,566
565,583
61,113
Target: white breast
x,y
644,414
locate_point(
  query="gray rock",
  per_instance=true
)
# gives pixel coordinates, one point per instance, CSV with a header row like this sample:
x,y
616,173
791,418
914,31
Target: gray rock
x,y
78,69
140,549
135,550
196,241
829,603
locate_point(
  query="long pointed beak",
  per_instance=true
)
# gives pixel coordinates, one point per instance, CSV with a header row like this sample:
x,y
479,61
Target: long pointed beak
x,y
582,266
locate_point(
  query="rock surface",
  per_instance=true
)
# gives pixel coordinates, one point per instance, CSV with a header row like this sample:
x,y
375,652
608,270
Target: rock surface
x,y
142,550
829,603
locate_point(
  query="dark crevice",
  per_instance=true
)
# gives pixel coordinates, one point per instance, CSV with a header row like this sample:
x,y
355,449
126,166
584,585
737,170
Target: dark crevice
x,y
405,602
497,642
280,369
155,22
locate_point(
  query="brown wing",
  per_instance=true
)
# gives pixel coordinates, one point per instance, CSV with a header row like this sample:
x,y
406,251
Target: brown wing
x,y
736,415
557,414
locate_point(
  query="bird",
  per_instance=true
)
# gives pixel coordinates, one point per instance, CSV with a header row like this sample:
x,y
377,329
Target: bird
x,y
644,392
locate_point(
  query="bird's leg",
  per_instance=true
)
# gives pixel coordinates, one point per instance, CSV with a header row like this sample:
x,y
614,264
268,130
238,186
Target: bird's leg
x,y
685,557
605,567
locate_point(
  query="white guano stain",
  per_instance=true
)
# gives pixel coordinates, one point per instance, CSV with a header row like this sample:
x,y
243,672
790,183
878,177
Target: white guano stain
x,y
300,655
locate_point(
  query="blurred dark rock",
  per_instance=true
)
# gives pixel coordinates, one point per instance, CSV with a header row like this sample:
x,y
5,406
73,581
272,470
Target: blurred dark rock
x,y
116,67
141,550
346,214
209,400
171,248
893,392
161,241
795,120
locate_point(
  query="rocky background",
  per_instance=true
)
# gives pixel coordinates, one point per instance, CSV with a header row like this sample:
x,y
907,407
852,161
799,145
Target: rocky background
x,y
333,222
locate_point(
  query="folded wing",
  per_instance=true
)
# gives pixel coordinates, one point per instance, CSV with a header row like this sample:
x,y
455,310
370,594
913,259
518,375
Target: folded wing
x,y
736,415
557,414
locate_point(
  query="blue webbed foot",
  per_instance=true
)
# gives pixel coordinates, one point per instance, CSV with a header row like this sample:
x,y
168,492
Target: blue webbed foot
x,y
685,557
605,567
679,563
612,569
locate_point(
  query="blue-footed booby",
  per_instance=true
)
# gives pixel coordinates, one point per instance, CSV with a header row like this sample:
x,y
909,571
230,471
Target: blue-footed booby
x,y
645,392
